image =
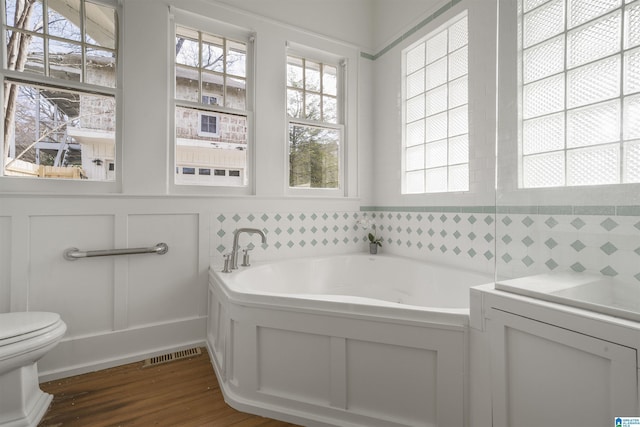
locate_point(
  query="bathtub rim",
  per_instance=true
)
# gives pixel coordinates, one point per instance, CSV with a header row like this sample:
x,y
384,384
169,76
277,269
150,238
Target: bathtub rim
x,y
344,306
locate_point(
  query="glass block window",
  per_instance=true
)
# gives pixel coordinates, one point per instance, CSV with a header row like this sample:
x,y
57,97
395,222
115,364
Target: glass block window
x,y
211,108
579,84
436,117
315,125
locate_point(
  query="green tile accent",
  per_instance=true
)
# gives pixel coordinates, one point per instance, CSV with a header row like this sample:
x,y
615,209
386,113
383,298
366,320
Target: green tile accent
x,y
577,267
578,223
523,209
608,248
594,210
527,221
578,245
555,210
527,241
550,243
551,222
608,224
628,210
631,210
551,264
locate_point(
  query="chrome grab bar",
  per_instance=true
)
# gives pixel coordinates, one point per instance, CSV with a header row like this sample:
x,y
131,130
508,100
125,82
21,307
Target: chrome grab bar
x,y
73,254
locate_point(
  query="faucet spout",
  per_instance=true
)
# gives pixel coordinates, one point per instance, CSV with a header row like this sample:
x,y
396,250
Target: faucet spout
x,y
236,248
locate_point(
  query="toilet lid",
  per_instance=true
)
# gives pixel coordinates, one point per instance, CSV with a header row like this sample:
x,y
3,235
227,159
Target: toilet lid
x,y
20,323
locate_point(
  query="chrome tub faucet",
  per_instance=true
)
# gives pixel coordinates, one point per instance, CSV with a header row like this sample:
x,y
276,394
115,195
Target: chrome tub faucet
x,y
236,248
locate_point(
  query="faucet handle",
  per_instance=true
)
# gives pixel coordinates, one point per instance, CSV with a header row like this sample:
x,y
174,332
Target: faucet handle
x,y
227,263
245,257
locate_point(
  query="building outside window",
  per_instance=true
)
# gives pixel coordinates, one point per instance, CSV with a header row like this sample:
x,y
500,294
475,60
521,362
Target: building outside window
x,y
435,111
59,82
579,91
211,108
315,123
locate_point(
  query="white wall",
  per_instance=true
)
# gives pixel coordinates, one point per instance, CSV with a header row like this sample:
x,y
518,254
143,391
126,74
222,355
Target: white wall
x,y
349,20
392,18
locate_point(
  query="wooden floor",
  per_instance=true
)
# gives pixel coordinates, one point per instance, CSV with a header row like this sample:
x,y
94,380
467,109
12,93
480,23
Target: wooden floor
x,y
179,393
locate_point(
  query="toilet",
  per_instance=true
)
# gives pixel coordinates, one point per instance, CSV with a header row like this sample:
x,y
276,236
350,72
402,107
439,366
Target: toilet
x,y
24,338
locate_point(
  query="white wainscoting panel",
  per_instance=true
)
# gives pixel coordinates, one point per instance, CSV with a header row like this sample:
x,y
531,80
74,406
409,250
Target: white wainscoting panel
x,y
166,287
80,291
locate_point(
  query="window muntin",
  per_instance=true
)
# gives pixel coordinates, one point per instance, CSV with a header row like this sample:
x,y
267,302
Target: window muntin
x,y
211,116
579,117
59,79
435,101
315,125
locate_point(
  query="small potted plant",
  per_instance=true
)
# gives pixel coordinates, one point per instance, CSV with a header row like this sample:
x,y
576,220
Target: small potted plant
x,y
374,240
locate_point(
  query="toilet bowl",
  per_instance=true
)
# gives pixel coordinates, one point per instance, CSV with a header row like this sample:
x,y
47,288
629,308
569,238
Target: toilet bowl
x,y
24,338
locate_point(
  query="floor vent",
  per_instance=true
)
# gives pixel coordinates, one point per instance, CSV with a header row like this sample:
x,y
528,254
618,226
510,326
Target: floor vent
x,y
171,357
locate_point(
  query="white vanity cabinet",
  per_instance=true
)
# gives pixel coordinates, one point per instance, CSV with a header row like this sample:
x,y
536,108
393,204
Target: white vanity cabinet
x,y
552,365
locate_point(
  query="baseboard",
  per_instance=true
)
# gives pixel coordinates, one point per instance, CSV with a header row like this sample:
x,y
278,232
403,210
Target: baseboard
x,y
79,355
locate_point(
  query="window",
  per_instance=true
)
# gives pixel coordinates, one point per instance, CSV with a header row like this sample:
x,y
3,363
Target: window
x,y
435,101
315,123
211,107
59,82
579,84
208,125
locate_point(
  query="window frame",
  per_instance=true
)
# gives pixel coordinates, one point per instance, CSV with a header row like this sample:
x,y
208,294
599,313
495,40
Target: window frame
x,y
340,63
179,17
28,184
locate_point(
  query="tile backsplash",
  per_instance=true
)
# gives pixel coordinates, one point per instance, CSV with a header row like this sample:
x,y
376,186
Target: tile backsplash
x,y
581,239
516,241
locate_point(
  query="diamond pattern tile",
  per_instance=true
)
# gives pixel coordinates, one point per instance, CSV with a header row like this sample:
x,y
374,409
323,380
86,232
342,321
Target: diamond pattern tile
x,y
577,267
608,224
608,248
578,245
559,242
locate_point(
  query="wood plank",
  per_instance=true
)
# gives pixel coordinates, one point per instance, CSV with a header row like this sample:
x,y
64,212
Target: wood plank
x,y
179,393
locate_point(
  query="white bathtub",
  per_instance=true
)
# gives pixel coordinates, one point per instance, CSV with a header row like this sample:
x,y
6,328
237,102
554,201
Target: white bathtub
x,y
351,340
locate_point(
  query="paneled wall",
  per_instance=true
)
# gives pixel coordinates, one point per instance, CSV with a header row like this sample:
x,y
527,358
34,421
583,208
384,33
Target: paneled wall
x,y
125,308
